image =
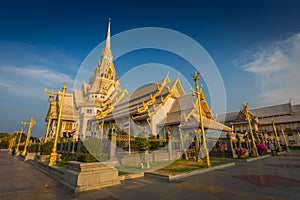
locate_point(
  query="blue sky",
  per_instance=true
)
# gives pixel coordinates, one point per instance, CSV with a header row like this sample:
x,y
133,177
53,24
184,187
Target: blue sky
x,y
255,45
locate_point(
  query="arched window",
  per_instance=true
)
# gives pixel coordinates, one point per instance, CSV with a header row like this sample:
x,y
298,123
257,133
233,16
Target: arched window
x,y
109,73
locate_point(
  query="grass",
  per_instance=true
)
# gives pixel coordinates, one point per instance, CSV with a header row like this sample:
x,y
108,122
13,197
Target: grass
x,y
62,163
182,166
120,173
167,167
213,164
137,168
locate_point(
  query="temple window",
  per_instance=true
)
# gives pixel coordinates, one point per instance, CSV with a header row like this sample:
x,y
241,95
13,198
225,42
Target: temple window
x,y
89,111
109,73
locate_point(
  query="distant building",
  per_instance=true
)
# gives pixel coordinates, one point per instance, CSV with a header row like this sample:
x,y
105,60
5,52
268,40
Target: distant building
x,y
286,116
68,118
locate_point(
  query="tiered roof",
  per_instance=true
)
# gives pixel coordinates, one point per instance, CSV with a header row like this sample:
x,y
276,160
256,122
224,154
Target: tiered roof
x,y
67,111
281,113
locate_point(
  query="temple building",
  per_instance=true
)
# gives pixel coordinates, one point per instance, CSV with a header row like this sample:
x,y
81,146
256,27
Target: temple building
x,y
68,124
158,108
97,95
161,111
286,120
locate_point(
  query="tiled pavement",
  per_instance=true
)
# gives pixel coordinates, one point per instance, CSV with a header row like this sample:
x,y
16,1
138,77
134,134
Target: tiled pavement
x,y
276,177
19,180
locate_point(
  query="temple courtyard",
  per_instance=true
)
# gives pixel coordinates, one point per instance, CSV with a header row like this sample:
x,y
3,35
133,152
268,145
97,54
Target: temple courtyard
x,y
274,177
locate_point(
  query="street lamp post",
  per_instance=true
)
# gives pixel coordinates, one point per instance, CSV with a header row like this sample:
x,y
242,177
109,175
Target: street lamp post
x,y
246,112
276,136
20,135
200,95
53,155
31,123
286,143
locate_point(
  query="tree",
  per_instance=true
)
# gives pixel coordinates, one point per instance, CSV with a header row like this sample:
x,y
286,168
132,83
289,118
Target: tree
x,y
47,148
4,140
141,144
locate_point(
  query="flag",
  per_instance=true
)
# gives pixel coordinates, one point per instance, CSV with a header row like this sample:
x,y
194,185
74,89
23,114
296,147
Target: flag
x,y
73,132
126,125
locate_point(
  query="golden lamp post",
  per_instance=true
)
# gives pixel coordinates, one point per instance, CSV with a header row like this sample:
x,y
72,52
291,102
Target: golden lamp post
x,y
246,112
200,95
286,143
20,135
49,117
53,155
31,123
276,136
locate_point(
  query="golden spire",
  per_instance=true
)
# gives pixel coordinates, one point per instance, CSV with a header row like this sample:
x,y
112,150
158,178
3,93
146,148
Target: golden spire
x,y
106,53
105,56
107,43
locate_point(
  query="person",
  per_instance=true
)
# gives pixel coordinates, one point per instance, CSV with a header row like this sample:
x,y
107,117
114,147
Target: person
x,y
272,148
13,152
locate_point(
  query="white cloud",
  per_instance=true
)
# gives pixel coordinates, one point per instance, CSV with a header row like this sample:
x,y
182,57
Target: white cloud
x,y
277,68
31,81
25,69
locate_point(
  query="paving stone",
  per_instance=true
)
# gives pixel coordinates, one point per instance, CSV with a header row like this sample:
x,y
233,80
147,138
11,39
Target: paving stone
x,y
269,180
276,177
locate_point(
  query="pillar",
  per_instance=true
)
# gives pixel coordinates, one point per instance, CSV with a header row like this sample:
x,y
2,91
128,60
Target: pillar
x,y
78,146
229,144
170,152
181,145
69,147
73,146
113,142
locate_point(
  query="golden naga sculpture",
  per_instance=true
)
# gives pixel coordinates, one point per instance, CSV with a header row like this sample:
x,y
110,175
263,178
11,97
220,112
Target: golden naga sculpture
x,y
102,113
152,99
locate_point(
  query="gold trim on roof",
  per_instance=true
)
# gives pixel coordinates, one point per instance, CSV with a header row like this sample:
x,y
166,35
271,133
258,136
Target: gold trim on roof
x,y
102,114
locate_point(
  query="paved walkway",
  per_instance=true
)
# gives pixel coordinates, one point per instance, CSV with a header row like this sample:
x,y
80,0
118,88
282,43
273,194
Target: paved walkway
x,y
276,177
19,180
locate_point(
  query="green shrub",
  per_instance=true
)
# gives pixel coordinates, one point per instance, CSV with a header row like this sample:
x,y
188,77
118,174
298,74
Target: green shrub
x,y
47,148
141,144
33,148
21,148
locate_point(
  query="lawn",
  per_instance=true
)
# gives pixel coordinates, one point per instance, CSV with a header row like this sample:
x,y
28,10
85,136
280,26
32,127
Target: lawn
x,y
167,167
181,166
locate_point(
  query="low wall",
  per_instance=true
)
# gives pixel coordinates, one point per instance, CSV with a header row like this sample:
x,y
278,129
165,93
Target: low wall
x,y
89,176
30,156
42,158
82,176
135,158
